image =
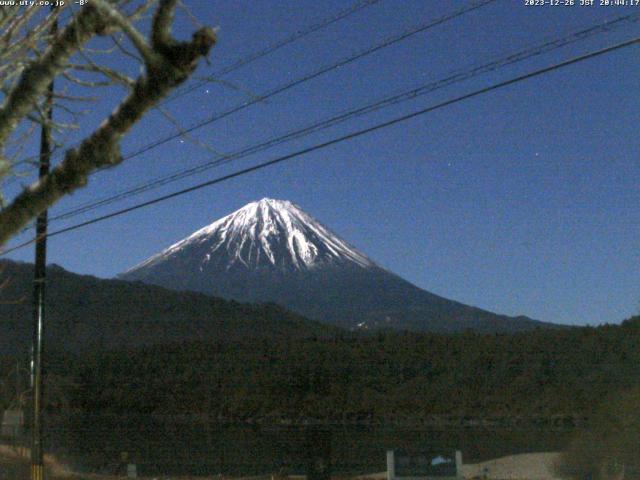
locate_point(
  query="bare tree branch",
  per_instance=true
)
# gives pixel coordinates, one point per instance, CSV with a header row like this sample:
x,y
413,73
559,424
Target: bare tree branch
x,y
171,64
36,77
127,27
187,136
162,21
118,44
109,73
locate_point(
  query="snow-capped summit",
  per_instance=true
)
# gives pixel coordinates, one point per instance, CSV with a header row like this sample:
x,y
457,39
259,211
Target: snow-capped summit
x,y
272,234
272,251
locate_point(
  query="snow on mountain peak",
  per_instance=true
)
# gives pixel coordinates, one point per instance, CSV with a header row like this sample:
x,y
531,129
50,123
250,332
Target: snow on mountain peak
x,y
266,233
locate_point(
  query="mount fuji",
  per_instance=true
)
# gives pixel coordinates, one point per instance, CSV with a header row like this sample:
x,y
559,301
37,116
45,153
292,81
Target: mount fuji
x,y
272,251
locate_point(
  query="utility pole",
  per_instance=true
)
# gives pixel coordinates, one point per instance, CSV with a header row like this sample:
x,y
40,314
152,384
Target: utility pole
x,y
37,465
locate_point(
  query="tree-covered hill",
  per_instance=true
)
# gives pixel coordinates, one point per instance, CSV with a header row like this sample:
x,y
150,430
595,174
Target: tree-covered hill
x,y
122,347
84,313
381,377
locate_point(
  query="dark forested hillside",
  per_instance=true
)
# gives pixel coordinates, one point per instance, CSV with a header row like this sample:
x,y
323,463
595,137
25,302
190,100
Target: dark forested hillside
x,y
386,376
86,313
124,347
249,256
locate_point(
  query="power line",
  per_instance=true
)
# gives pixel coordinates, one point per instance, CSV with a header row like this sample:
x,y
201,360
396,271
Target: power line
x,y
310,76
328,68
453,78
337,140
251,57
274,47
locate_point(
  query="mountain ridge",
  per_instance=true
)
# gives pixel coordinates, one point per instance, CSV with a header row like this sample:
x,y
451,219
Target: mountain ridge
x,y
305,242
272,251
86,313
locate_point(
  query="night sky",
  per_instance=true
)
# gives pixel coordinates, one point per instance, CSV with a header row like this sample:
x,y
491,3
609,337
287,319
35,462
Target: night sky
x,y
521,201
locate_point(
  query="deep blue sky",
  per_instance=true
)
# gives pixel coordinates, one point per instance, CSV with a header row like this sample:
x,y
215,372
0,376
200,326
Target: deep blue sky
x,y
522,201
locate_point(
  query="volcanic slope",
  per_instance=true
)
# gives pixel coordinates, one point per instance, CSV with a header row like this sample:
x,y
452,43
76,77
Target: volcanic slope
x,y
273,251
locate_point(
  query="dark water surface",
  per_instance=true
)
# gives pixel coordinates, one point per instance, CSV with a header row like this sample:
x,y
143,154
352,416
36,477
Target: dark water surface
x,y
169,446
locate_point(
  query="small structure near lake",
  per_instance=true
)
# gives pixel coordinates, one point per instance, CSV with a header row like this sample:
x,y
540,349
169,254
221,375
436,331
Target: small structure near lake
x,y
403,465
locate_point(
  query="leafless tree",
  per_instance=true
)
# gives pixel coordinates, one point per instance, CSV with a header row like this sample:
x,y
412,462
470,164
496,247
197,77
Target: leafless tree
x,y
31,57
